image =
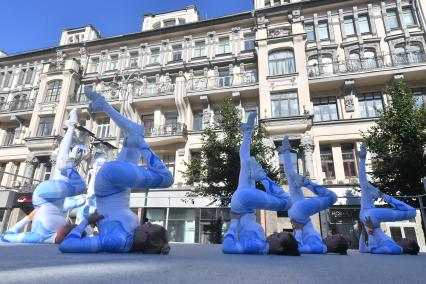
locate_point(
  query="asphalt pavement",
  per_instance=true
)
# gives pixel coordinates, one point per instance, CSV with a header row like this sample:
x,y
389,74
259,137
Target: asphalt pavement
x,y
194,263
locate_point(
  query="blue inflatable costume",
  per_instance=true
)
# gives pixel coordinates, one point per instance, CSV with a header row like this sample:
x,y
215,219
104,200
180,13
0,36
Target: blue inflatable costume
x,y
245,235
53,197
378,242
309,240
112,188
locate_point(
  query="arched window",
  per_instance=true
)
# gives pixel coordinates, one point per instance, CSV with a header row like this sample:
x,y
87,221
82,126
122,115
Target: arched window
x,y
19,102
370,61
281,62
416,53
313,68
354,63
400,55
327,65
53,91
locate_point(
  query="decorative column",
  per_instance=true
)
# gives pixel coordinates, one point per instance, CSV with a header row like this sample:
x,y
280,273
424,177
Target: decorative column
x,y
307,144
30,162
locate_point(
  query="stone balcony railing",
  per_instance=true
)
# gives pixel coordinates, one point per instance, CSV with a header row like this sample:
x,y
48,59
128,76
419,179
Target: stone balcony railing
x,y
366,64
17,106
153,89
215,82
171,129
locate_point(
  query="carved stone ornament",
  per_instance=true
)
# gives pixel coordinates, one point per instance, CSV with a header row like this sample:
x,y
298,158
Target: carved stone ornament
x,y
307,143
279,32
349,99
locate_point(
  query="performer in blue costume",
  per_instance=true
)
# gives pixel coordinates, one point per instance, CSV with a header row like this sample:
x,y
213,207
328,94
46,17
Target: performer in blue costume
x,y
245,235
119,228
373,239
309,240
90,202
50,198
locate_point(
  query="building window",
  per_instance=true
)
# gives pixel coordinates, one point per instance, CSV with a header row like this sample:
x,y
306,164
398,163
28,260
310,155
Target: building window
x,y
102,127
157,25
327,163
177,53
29,77
21,76
348,157
7,79
19,102
407,17
281,62
169,161
370,104
53,91
224,79
400,55
310,34
171,118
354,63
313,67
416,53
148,123
9,137
95,65
198,121
2,103
114,62
200,49
364,24
392,19
45,126
1,78
224,46
155,56
134,59
217,118
284,105
349,26
419,95
249,40
325,109
327,65
323,30
169,23
181,225
370,60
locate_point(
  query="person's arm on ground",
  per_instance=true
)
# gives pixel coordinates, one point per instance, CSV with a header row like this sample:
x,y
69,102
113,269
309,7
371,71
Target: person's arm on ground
x,y
74,242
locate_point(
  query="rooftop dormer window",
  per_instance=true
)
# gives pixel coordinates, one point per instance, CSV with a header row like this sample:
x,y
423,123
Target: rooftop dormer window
x,y
169,23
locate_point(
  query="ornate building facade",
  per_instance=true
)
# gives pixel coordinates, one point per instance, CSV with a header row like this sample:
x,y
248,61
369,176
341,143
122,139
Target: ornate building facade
x,y
314,70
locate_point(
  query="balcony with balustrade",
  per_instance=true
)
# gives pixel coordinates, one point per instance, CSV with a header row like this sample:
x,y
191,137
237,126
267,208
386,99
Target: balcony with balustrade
x,y
378,70
169,133
207,84
22,108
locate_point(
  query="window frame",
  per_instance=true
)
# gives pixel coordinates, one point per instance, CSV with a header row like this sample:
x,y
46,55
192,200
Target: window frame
x,y
53,92
346,25
284,64
367,24
226,46
45,126
289,99
320,23
327,164
367,97
323,103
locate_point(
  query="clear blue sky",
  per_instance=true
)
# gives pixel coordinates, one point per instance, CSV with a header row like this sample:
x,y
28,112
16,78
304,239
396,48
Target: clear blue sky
x,y
32,24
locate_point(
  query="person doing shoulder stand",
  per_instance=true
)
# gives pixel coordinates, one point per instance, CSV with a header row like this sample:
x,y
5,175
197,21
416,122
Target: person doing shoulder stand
x,y
245,235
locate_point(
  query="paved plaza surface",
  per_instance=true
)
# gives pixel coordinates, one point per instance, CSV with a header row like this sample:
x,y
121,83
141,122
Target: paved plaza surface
x,y
194,263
